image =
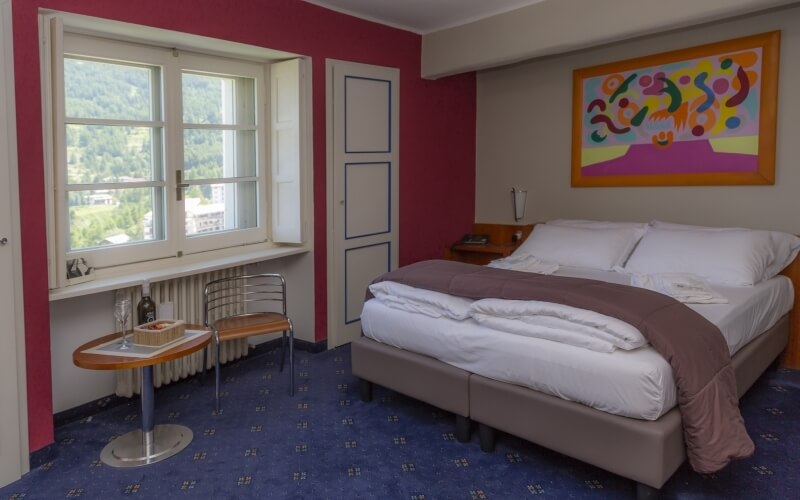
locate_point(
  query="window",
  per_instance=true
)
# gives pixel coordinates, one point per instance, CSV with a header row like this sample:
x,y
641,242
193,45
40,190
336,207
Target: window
x,y
159,153
113,146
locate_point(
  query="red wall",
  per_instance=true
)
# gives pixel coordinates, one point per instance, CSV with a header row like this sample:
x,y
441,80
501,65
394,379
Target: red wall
x,y
437,137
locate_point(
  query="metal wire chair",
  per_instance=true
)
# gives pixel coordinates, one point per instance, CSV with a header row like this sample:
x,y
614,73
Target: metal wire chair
x,y
243,306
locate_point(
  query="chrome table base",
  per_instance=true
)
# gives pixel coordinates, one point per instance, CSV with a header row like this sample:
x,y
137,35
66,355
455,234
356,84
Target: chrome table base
x,y
150,444
137,448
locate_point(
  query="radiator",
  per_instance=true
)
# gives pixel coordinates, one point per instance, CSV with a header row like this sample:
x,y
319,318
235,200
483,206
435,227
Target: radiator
x,y
186,294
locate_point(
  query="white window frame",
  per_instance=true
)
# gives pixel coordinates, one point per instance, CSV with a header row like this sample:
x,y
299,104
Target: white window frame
x,y
175,259
218,66
102,256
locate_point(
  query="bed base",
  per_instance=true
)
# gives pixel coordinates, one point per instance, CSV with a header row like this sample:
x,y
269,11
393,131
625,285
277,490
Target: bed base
x,y
420,377
648,452
365,390
463,424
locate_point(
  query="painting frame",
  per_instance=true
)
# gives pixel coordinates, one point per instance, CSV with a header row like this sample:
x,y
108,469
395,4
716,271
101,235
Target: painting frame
x,y
763,174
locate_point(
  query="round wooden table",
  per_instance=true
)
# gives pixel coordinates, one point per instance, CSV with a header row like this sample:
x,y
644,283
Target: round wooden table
x,y
152,443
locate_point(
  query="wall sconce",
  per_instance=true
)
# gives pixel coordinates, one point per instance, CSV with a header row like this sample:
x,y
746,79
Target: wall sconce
x,y
518,197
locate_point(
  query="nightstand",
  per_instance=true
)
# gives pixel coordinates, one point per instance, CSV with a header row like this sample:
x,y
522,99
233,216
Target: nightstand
x,y
500,244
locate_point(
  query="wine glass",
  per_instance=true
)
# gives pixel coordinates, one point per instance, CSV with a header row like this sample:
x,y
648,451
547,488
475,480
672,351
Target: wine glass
x,y
122,308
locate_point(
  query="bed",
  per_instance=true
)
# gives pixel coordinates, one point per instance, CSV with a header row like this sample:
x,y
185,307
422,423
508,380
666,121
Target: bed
x,y
644,443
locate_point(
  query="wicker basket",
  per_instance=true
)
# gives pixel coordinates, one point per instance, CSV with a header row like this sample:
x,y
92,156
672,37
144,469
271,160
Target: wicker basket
x,y
159,332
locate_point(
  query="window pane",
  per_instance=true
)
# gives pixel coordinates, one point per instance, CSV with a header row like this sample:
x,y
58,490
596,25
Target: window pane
x,y
94,89
105,217
104,153
207,99
218,100
219,154
221,207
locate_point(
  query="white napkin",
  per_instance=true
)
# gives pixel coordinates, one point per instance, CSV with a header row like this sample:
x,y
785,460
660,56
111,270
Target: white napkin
x,y
527,263
686,288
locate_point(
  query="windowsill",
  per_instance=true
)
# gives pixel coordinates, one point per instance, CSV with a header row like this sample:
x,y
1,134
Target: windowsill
x,y
174,267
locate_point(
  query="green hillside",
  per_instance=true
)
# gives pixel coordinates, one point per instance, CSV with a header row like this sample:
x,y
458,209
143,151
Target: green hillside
x,y
102,153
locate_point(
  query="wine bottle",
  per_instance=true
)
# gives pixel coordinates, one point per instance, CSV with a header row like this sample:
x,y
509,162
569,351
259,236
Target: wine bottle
x,y
146,310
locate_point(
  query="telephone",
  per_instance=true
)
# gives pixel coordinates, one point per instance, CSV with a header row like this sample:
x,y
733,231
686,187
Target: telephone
x,y
475,239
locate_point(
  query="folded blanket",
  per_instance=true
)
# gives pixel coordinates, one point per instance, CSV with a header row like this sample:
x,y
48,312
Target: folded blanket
x,y
417,300
686,288
527,263
558,322
556,332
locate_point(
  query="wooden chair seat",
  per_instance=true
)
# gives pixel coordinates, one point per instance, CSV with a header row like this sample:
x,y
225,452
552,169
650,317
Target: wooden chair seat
x,y
246,325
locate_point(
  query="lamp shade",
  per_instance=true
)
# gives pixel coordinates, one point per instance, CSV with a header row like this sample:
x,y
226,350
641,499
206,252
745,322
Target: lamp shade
x,y
519,196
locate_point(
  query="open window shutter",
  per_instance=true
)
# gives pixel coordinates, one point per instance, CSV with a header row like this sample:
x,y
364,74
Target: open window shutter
x,y
53,73
285,115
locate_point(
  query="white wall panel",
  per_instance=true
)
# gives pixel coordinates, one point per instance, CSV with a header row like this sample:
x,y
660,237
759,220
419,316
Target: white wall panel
x,y
362,265
368,202
368,123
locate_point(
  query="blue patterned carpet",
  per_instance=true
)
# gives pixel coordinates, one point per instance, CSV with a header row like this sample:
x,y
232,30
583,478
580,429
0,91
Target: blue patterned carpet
x,y
326,443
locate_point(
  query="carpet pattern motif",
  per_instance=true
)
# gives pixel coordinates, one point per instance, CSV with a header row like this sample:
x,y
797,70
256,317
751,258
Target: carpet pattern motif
x,y
325,443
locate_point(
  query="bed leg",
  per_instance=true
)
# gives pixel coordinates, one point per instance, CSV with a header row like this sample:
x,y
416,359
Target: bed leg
x,y
463,425
365,389
645,492
488,437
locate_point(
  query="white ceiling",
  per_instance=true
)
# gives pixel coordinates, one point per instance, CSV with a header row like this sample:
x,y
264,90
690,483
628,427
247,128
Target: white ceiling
x,y
423,16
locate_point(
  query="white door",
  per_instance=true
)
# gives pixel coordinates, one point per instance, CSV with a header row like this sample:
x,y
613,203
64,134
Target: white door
x,y
363,188
13,435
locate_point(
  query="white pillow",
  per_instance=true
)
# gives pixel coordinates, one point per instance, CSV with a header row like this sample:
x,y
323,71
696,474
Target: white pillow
x,y
732,258
641,228
785,246
597,224
580,247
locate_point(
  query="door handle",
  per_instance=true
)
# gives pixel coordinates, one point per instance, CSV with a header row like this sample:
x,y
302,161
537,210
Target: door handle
x,y
179,185
3,240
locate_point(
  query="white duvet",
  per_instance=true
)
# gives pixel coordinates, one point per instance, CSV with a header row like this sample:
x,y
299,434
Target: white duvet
x,y
417,300
544,320
557,322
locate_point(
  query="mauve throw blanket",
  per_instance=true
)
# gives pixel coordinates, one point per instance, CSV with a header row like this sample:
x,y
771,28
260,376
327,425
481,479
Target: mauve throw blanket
x,y
701,365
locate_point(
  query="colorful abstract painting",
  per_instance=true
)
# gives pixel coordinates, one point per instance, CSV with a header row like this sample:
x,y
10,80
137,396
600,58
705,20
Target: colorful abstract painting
x,y
704,115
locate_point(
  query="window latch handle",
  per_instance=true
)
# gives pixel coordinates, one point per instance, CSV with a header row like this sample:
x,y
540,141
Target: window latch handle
x,y
179,185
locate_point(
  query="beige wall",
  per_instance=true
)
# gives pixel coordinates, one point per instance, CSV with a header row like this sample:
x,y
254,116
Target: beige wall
x,y
558,26
523,140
